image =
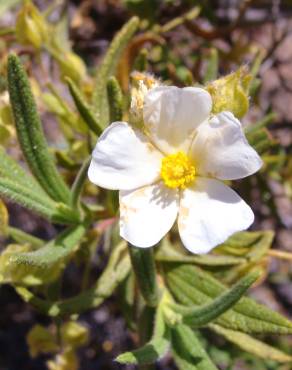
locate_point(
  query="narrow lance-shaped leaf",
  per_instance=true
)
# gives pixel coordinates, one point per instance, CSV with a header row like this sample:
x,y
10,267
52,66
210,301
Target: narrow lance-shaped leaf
x,y
20,187
154,349
30,133
33,201
11,170
107,69
192,286
252,345
83,107
22,237
187,350
53,252
200,316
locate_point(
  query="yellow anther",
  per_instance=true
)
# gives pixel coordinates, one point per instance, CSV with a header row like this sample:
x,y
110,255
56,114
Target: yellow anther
x,y
177,171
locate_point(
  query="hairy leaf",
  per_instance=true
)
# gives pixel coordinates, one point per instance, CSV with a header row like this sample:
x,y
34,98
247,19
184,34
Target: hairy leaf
x,y
38,202
199,316
30,133
11,170
83,107
187,350
53,252
14,273
252,345
115,99
107,69
192,286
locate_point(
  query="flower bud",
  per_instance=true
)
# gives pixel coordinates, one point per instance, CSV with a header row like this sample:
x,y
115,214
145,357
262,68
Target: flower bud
x,y
31,27
71,65
230,93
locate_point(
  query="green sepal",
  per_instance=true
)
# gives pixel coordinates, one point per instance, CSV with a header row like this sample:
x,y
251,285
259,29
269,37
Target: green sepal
x,y
30,133
155,348
83,107
200,316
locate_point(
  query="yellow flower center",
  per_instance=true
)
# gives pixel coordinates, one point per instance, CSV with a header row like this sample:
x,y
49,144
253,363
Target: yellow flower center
x,y
177,171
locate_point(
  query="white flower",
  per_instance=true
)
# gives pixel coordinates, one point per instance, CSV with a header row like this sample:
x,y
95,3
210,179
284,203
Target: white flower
x,y
174,169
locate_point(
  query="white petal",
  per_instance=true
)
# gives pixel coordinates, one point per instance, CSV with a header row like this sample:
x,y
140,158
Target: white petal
x,y
209,213
172,114
124,159
147,214
220,149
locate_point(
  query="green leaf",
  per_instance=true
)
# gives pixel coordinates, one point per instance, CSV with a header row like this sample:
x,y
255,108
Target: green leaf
x,y
11,170
21,265
187,350
22,237
14,273
115,272
192,286
30,133
83,107
251,245
108,67
25,197
55,251
168,252
252,345
154,349
200,316
37,202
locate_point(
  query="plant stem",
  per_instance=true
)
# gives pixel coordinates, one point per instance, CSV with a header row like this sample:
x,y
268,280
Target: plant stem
x,y
145,272
280,254
78,184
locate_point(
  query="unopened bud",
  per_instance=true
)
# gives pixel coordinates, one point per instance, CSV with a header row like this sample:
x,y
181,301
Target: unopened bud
x,y
230,93
31,27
